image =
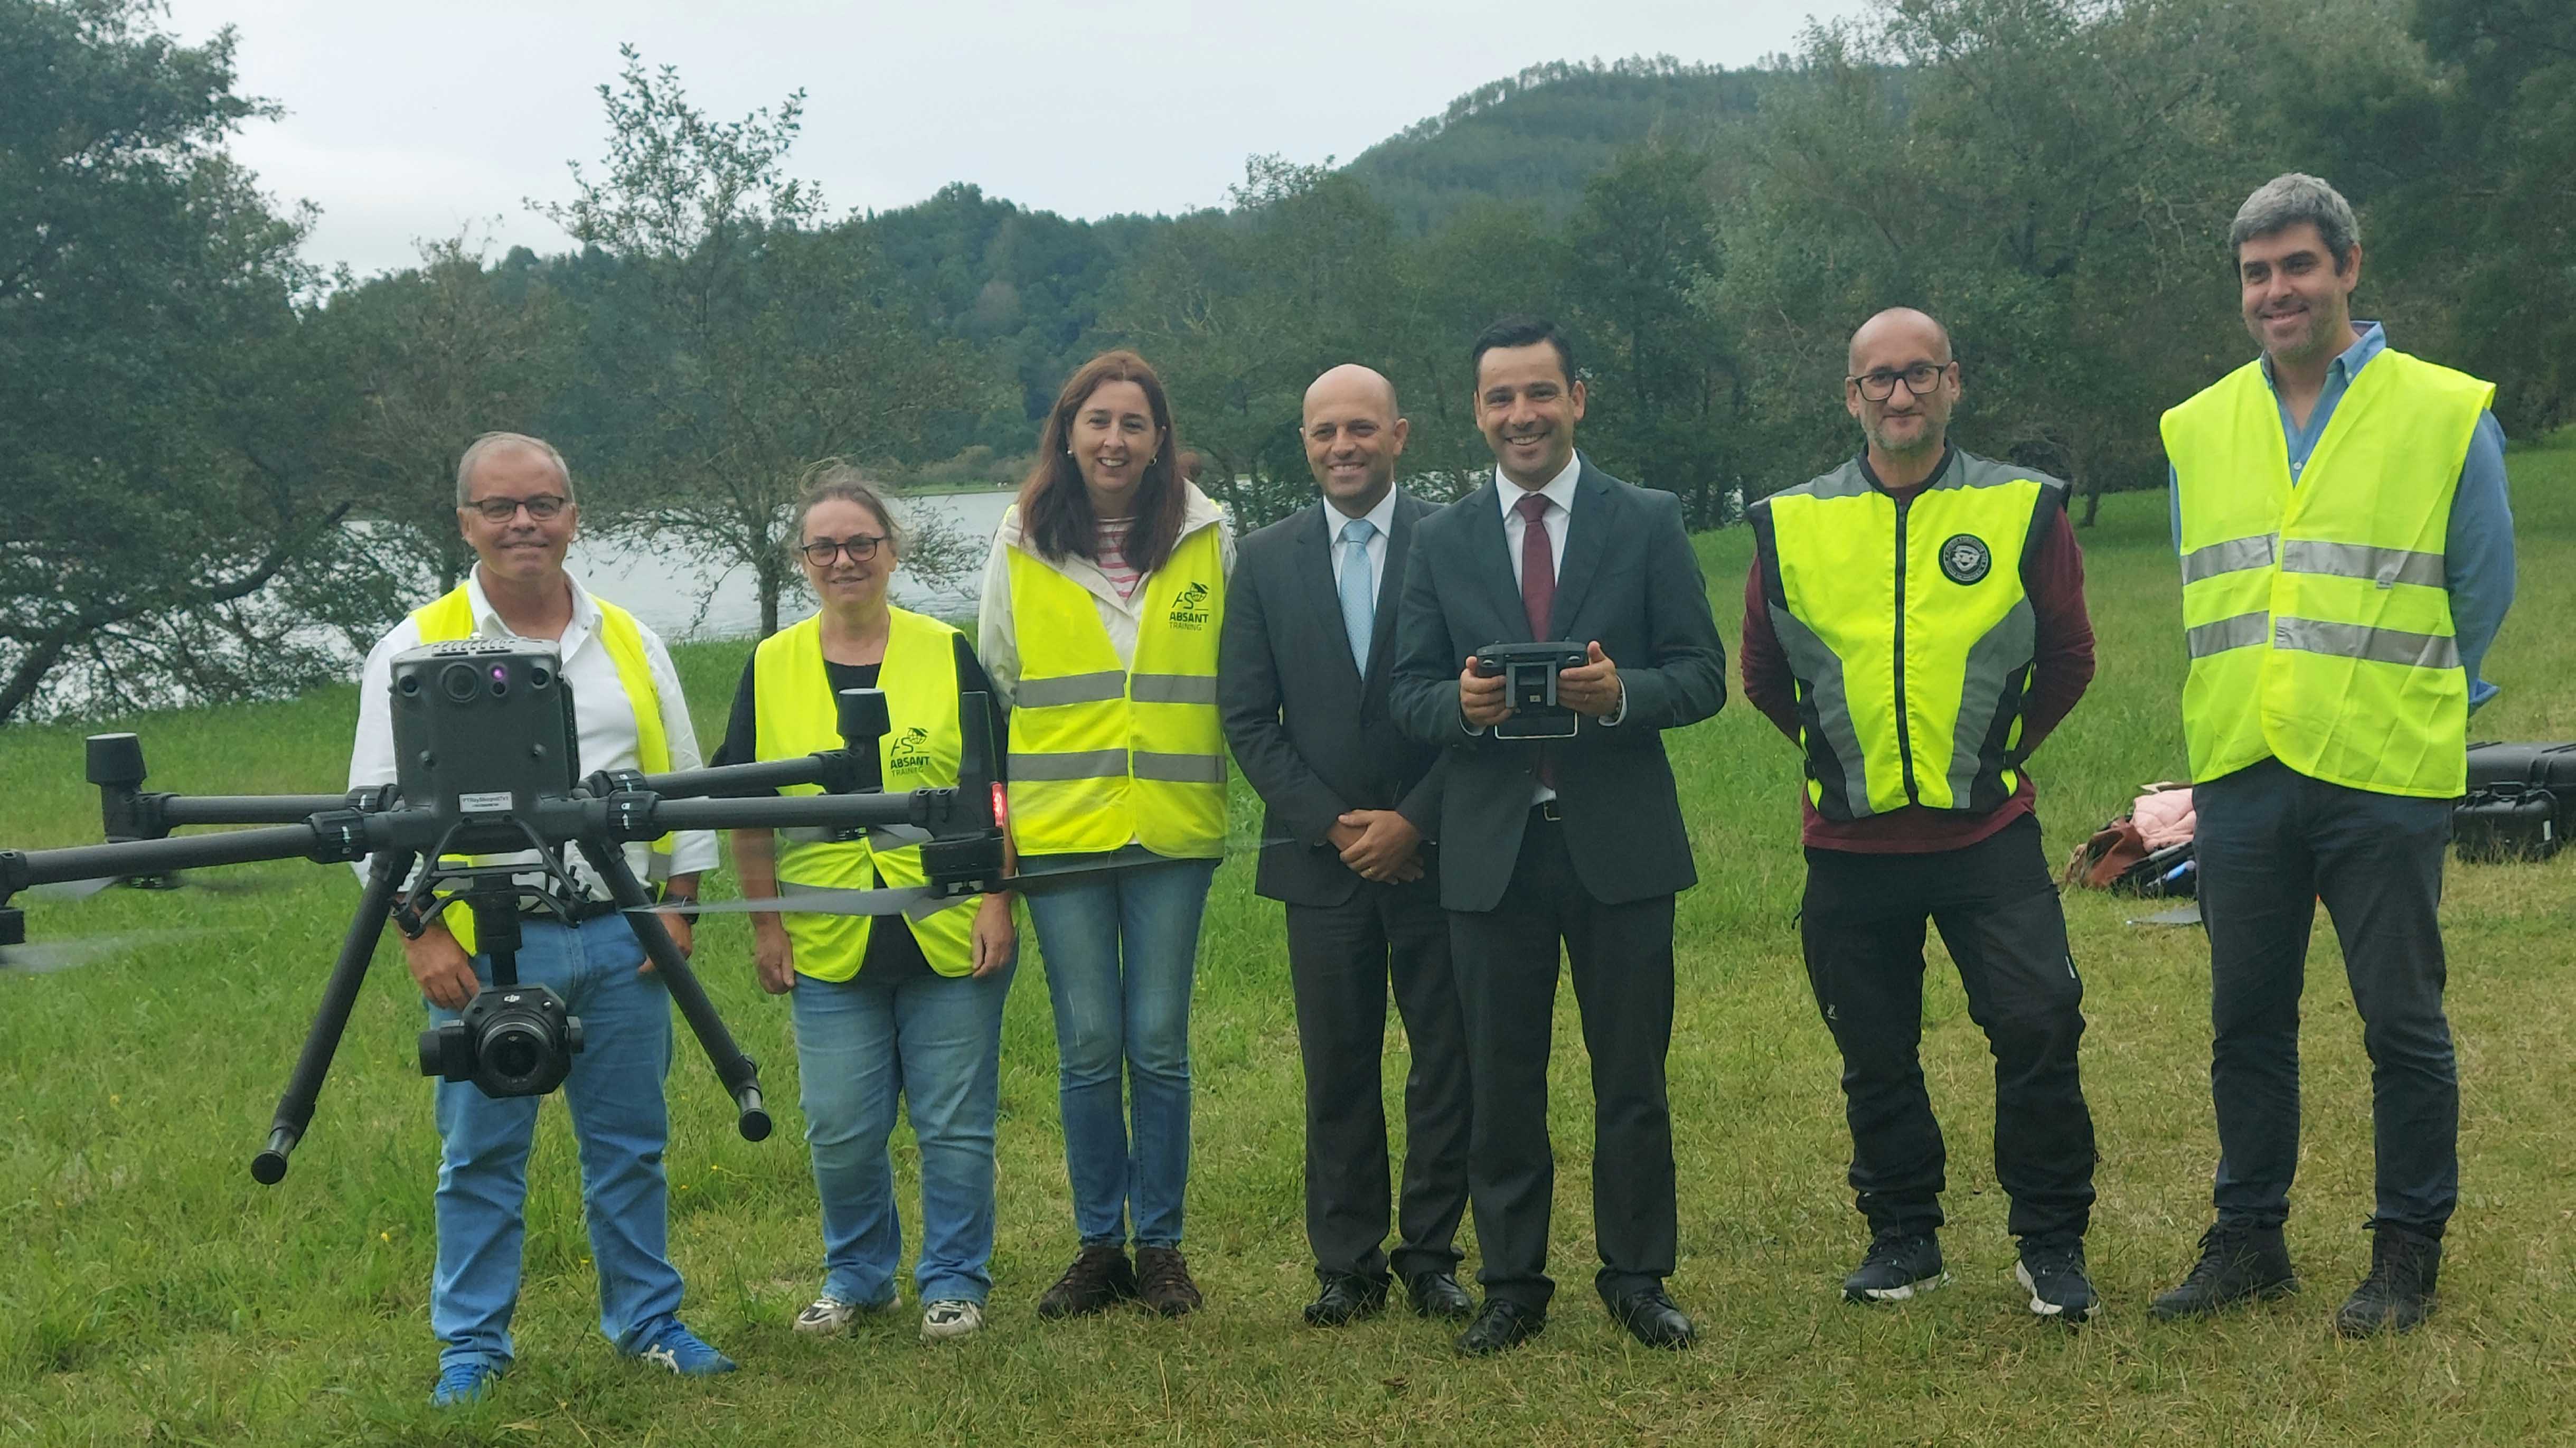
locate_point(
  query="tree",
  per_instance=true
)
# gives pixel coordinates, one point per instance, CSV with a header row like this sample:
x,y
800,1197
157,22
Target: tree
x,y
1665,387
2051,178
1241,311
439,355
732,343
173,522
2466,171
1491,259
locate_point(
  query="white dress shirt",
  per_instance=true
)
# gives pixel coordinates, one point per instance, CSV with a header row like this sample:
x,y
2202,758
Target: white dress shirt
x,y
1381,517
603,720
1559,493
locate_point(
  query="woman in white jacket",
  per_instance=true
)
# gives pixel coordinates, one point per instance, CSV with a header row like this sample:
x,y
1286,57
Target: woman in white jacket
x,y
1103,600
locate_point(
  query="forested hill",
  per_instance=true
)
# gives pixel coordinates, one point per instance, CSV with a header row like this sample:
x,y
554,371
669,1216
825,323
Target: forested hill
x,y
1029,289
1540,135
2054,179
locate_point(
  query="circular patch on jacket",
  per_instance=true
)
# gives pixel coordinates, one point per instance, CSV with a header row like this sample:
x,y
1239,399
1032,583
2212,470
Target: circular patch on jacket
x,y
1964,558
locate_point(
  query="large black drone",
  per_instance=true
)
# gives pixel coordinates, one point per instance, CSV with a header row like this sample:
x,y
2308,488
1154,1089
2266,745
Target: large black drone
x,y
488,792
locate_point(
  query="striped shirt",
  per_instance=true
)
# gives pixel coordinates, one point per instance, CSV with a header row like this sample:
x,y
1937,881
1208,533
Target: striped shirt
x,y
1109,550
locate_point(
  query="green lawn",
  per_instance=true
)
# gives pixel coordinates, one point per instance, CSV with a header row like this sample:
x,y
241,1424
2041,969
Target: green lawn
x,y
149,1291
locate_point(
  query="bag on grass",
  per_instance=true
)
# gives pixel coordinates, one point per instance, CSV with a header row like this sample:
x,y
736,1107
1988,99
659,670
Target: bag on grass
x,y
2145,851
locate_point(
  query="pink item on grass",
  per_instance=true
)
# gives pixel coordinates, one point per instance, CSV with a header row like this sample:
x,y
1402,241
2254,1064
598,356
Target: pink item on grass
x,y
2164,816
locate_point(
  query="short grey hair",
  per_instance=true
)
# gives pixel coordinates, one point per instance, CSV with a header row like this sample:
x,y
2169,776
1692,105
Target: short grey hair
x,y
492,442
2293,197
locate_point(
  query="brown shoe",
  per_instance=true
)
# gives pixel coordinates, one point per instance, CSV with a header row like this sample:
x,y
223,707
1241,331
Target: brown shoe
x,y
1099,1277
1163,1281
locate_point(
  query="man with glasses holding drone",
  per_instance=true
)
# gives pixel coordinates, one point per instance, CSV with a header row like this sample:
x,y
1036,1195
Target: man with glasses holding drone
x,y
514,505
1914,620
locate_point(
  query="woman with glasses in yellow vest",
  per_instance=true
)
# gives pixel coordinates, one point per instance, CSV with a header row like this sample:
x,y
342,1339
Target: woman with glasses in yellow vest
x,y
885,1006
1103,599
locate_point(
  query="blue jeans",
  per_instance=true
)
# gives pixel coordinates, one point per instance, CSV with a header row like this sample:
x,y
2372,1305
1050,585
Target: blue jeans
x,y
618,1118
935,1041
1120,955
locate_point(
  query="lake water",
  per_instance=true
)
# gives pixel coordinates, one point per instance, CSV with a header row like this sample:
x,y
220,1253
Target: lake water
x,y
680,599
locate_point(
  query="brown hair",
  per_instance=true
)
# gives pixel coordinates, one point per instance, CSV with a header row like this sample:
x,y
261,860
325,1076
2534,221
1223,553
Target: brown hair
x,y
834,480
1055,508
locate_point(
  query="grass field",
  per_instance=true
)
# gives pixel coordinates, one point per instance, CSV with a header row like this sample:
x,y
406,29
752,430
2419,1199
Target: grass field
x,y
150,1292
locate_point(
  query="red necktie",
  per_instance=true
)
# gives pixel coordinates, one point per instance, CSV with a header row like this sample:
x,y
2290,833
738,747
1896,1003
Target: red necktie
x,y
1538,590
1538,564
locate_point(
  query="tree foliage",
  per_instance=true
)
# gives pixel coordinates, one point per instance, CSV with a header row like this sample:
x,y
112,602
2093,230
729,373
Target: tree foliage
x,y
170,506
732,343
186,431
439,355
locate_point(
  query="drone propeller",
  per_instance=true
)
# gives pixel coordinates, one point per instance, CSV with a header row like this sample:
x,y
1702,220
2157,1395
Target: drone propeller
x,y
47,957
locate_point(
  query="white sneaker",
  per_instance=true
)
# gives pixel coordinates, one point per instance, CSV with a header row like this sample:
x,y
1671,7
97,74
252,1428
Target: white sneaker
x,y
951,1318
828,1316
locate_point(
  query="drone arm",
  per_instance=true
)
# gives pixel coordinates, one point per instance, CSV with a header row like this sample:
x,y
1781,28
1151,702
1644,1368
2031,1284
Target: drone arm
x,y
153,857
831,768
826,811
258,809
295,1108
740,1074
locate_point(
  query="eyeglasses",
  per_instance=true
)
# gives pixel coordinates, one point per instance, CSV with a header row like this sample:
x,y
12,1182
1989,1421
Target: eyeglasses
x,y
1919,379
860,546
501,510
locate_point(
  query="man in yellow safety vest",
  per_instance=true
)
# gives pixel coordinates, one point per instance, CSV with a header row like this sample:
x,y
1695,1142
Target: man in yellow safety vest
x,y
2347,556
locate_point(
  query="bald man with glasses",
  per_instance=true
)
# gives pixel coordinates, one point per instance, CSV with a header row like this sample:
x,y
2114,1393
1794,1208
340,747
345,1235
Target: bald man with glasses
x,y
1914,621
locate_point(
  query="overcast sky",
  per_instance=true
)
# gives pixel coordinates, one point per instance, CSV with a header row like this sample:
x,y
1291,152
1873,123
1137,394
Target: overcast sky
x,y
408,120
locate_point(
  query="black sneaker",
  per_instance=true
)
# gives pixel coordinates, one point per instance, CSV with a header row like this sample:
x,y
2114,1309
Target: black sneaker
x,y
2237,1261
1899,1265
2053,1274
1099,1277
2398,1294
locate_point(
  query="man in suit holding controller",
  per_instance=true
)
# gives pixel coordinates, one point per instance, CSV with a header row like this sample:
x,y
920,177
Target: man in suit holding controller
x,y
1576,839
1302,684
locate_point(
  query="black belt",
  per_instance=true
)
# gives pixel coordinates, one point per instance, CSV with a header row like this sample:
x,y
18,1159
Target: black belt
x,y
580,912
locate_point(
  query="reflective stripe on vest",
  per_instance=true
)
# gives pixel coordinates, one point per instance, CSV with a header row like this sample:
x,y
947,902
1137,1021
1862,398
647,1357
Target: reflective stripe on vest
x,y
798,715
1909,632
1104,753
451,617
2316,616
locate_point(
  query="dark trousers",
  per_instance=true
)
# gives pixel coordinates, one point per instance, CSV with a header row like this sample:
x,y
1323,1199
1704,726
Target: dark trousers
x,y
1341,959
1622,962
1997,910
2271,842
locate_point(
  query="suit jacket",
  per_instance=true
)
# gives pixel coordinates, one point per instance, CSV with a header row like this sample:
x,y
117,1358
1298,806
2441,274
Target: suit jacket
x,y
1313,736
1630,581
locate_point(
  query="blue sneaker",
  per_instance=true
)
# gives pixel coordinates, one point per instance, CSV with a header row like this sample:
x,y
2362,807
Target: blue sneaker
x,y
468,1380
681,1350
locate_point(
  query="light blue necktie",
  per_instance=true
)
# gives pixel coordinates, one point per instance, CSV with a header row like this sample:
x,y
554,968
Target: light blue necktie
x,y
1359,601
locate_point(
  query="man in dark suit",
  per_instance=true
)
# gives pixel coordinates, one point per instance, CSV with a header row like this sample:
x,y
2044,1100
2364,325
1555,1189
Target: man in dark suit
x,y
1577,839
1302,684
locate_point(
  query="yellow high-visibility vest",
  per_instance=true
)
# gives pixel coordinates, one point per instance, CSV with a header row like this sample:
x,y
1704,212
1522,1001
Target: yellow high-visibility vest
x,y
452,617
1103,753
1909,631
798,715
2317,616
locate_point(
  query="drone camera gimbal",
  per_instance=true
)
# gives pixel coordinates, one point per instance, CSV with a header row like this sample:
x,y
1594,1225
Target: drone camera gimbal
x,y
488,794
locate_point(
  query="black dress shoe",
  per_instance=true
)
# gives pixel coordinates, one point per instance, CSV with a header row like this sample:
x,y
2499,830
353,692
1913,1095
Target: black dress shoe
x,y
1502,1325
1345,1298
1437,1294
1652,1319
